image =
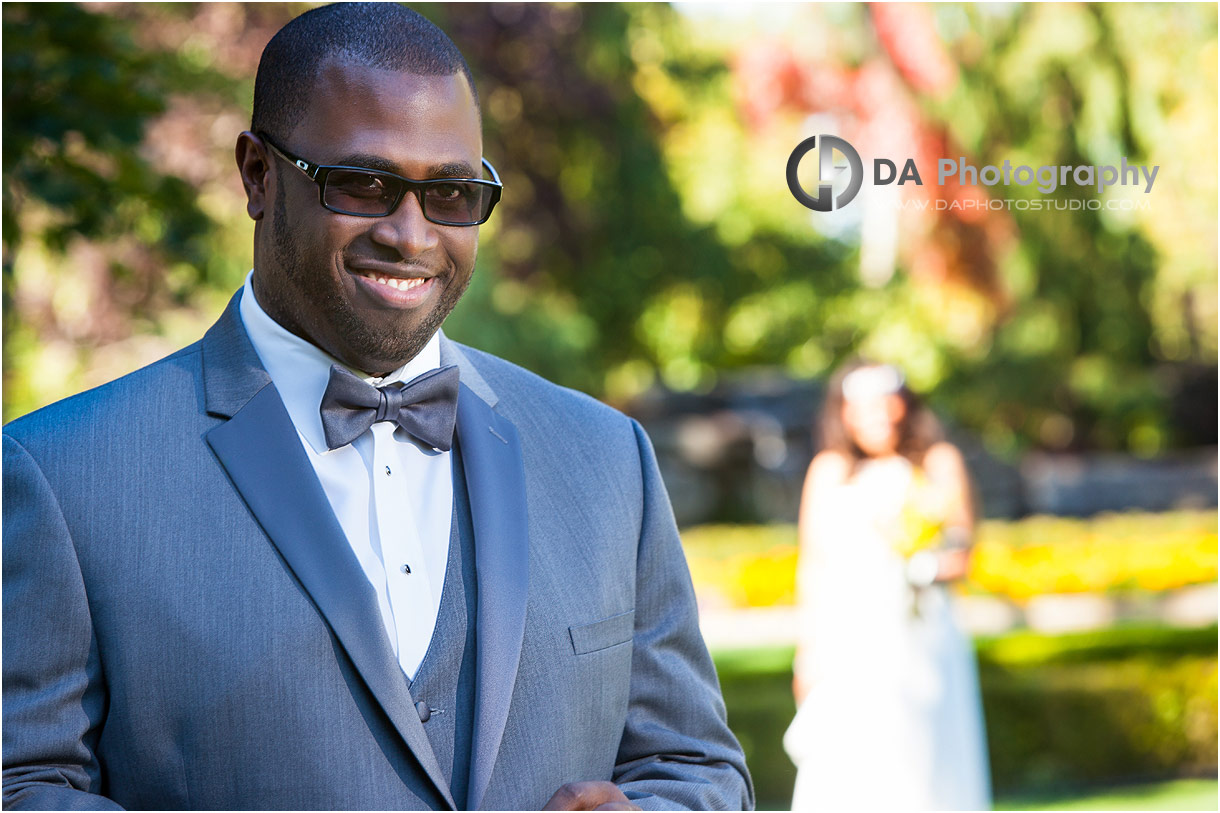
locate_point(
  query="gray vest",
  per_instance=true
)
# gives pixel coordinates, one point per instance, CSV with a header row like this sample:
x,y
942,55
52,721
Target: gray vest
x,y
443,688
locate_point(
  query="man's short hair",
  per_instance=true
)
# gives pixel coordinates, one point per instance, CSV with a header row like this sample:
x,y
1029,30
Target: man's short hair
x,y
373,35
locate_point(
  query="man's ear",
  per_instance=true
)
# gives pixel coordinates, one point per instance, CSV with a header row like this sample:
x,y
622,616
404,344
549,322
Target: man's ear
x,y
253,163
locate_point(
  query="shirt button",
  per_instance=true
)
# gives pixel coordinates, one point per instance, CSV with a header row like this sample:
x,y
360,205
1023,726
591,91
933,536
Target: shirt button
x,y
406,568
387,471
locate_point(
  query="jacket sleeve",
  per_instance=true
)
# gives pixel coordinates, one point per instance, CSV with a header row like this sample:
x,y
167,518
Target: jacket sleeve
x,y
677,751
54,698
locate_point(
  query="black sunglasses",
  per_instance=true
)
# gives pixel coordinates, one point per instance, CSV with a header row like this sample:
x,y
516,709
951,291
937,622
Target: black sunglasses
x,y
375,193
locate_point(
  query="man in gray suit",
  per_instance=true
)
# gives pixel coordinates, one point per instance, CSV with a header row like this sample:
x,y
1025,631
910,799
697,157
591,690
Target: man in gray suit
x,y
325,558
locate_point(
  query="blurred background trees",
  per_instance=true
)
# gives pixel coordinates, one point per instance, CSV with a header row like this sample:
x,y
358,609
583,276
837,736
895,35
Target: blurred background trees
x,y
647,236
647,241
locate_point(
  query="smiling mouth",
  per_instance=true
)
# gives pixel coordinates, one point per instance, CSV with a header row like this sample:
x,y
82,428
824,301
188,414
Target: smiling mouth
x,y
397,283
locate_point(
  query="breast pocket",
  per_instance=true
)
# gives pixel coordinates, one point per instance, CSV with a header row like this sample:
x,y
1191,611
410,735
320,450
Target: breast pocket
x,y
612,631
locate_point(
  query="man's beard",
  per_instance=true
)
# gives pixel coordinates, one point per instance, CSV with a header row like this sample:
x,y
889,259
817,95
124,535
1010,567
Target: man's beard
x,y
311,286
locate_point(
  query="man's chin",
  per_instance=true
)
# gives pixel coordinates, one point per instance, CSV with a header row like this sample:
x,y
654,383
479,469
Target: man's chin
x,y
378,351
379,343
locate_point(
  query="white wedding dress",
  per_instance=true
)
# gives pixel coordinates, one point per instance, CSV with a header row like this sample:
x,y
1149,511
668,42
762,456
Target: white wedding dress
x,y
893,718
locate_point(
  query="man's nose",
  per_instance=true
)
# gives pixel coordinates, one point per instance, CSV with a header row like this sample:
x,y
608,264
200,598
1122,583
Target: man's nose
x,y
406,229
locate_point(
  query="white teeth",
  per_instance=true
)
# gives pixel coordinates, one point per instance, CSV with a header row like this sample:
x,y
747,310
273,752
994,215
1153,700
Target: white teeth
x,y
396,283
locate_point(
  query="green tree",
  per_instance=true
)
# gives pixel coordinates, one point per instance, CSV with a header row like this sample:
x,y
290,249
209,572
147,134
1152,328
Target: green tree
x,y
646,233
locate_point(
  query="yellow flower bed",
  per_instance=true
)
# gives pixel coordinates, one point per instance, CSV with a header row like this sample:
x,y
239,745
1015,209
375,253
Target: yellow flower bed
x,y
755,565
1150,552
743,565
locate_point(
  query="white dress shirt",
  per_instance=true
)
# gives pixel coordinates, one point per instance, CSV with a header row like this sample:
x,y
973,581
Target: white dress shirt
x,y
393,497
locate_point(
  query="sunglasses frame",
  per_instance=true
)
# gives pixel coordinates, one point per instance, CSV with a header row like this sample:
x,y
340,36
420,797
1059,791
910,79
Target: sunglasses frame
x,y
318,173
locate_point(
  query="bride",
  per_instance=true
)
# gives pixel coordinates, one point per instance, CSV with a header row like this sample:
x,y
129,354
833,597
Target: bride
x,y
888,709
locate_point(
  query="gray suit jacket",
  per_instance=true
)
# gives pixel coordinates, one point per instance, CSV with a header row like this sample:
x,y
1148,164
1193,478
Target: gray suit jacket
x,y
185,626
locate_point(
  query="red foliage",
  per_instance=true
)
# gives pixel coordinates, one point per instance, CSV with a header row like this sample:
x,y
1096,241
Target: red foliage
x,y
908,35
876,105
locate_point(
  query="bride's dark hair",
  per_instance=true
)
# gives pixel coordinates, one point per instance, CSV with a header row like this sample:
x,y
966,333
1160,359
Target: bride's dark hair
x,y
918,430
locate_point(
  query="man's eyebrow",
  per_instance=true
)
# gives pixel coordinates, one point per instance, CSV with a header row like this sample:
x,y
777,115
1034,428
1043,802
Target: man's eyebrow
x,y
455,169
452,169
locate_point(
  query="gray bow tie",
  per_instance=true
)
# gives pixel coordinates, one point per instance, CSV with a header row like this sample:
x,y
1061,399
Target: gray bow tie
x,y
426,406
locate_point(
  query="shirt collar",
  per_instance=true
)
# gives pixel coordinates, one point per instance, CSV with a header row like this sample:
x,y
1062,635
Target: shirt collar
x,y
300,370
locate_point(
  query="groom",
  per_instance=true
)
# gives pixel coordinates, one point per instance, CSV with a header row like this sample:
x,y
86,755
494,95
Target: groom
x,y
325,558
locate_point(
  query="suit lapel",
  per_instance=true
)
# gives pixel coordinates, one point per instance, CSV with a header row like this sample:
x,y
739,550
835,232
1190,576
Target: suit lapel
x,y
495,481
261,452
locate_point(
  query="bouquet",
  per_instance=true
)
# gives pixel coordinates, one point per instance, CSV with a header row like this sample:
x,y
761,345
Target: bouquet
x,y
921,533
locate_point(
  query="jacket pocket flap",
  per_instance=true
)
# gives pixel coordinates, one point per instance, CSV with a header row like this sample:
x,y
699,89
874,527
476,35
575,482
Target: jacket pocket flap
x,y
617,629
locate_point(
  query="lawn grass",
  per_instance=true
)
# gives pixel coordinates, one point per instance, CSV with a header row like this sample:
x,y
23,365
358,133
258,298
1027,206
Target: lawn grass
x,y
757,687
1178,794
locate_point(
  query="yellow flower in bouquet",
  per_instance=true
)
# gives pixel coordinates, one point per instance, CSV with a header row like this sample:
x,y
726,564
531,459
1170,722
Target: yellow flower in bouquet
x,y
922,518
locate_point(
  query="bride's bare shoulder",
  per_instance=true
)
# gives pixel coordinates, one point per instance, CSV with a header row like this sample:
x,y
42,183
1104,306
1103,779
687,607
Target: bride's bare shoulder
x,y
944,459
829,467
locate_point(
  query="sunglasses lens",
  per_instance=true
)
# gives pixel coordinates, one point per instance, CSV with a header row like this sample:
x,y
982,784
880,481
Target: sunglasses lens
x,y
456,202
364,193
374,194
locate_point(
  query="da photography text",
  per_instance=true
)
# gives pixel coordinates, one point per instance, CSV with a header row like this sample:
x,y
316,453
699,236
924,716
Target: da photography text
x,y
1046,178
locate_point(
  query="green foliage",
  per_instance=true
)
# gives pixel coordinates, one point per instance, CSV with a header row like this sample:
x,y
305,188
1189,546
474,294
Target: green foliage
x,y
116,231
1094,315
1141,716
77,96
646,233
1025,649
594,252
101,241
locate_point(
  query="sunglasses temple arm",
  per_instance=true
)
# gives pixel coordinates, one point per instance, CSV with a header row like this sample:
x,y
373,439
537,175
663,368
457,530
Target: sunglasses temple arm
x,y
495,176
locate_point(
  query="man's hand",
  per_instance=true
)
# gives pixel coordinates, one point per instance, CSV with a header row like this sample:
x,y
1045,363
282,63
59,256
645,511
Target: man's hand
x,y
591,795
